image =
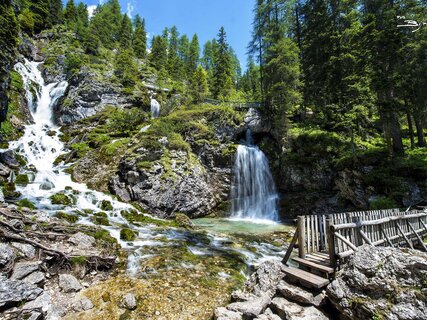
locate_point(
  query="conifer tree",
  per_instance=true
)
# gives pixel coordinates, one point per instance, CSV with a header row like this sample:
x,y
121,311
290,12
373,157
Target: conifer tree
x,y
158,55
173,58
40,10
70,14
126,70
56,12
199,85
194,55
126,32
223,68
140,38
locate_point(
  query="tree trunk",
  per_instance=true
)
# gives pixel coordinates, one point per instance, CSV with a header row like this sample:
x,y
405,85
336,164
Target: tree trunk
x,y
420,132
410,126
396,134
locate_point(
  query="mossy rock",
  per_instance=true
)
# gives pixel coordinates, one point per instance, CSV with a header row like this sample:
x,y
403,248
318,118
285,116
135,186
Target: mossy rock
x,y
103,235
127,234
22,179
26,204
134,216
106,205
100,218
183,221
80,260
61,198
9,191
71,218
51,133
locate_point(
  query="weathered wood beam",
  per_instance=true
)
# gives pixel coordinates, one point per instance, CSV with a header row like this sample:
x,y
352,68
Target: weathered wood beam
x,y
291,247
386,237
365,237
403,234
331,242
301,236
418,237
347,242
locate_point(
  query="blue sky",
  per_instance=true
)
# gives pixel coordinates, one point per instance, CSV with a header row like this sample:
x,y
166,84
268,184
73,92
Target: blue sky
x,y
203,17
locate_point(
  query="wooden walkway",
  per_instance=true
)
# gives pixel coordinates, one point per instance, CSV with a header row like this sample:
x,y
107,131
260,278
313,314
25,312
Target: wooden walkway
x,y
325,242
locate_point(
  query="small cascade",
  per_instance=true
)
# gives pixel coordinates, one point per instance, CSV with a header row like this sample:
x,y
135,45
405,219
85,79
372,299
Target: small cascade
x,y
254,195
155,108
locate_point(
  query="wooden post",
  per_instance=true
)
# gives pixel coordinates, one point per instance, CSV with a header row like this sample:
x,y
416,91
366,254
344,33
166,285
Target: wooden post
x,y
357,232
301,236
291,247
331,242
416,234
403,234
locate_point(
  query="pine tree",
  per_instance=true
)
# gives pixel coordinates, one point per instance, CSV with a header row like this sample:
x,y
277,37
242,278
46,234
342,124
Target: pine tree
x,y
194,55
173,58
199,85
126,70
126,32
158,55
56,13
223,68
140,38
184,56
40,10
70,15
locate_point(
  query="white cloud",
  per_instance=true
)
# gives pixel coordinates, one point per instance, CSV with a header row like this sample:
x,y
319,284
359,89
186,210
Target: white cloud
x,y
91,10
129,9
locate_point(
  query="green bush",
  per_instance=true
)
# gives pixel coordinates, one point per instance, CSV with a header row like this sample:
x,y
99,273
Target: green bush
x,y
383,202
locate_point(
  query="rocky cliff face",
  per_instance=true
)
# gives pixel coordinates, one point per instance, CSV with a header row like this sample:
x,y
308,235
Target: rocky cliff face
x,y
382,283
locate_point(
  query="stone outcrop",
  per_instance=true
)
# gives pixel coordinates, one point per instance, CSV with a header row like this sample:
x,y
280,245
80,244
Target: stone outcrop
x,y
382,283
268,296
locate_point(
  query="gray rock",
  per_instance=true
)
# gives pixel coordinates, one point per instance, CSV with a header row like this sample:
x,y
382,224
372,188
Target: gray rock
x,y
41,303
14,292
69,283
23,269
7,255
24,249
300,295
251,308
37,278
372,276
4,171
9,159
268,317
128,301
224,314
293,311
82,240
266,278
83,304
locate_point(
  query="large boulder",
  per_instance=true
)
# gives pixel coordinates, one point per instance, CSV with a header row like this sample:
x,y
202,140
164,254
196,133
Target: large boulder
x,y
14,292
69,283
381,282
7,255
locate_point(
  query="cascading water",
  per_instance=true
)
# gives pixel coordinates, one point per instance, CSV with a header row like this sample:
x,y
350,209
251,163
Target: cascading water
x,y
41,145
155,108
254,195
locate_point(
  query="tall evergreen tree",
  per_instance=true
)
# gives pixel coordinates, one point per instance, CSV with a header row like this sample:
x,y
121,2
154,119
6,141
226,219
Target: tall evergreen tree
x,y
199,85
158,55
56,12
223,68
193,55
70,14
140,38
126,32
40,10
173,58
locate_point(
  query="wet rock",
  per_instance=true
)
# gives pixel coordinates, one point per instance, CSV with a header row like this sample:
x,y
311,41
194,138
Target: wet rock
x,y
183,221
254,122
14,292
251,308
23,269
69,283
293,311
83,305
4,171
46,185
37,278
300,295
9,159
81,240
7,255
363,287
128,302
224,314
24,249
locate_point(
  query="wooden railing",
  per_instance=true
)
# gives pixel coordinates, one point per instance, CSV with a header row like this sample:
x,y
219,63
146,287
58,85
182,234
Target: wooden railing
x,y
340,234
236,104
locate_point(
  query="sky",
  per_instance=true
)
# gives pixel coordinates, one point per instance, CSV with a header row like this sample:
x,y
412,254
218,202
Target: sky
x,y
204,17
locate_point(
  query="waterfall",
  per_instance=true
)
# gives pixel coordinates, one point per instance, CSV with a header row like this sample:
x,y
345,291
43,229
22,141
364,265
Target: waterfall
x,y
155,108
253,192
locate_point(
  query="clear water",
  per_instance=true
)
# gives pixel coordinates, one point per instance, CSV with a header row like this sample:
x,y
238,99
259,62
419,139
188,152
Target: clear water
x,y
40,146
254,196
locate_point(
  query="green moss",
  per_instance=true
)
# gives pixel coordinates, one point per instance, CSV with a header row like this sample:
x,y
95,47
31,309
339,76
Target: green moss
x,y
106,205
100,218
103,235
61,199
9,191
66,216
80,260
134,216
113,148
127,234
144,165
81,148
383,203
183,221
22,179
26,203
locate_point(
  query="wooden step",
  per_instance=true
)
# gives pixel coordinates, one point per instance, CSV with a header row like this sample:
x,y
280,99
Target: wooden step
x,y
306,278
314,265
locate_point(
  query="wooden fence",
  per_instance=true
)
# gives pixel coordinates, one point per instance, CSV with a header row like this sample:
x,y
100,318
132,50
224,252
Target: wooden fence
x,y
236,104
340,234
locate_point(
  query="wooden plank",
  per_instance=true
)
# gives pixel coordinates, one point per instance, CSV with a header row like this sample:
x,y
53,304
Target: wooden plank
x,y
308,234
346,241
364,236
331,241
306,278
313,265
386,237
417,236
291,247
301,236
403,234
